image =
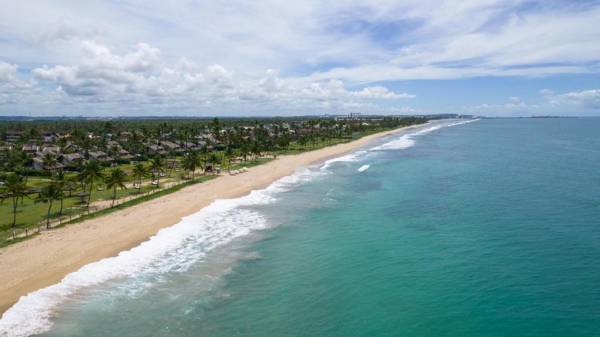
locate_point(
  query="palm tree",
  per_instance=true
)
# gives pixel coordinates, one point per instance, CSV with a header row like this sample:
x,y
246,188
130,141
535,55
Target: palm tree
x,y
49,161
191,162
20,160
213,159
228,154
91,172
14,188
49,194
70,185
171,164
61,183
115,179
139,171
157,166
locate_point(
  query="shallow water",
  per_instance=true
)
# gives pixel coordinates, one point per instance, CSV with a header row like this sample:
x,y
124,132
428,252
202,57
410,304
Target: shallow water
x,y
489,228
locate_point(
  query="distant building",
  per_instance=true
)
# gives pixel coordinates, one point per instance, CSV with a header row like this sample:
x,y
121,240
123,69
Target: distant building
x,y
13,136
49,137
99,156
72,158
30,148
167,145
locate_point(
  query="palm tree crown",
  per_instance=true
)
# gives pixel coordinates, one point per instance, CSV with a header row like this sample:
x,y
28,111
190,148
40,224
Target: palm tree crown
x,y
14,188
157,167
139,171
191,162
49,194
116,179
92,171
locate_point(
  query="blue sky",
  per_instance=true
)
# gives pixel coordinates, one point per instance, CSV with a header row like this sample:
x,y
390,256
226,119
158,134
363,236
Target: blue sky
x,y
156,57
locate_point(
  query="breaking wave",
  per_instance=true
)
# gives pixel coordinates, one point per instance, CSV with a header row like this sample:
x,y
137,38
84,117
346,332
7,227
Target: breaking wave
x,y
175,248
408,140
363,168
172,249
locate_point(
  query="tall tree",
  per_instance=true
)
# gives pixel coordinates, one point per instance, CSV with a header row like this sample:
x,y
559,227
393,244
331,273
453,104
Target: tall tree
x,y
62,184
49,161
91,172
49,194
191,161
14,188
139,171
116,179
157,167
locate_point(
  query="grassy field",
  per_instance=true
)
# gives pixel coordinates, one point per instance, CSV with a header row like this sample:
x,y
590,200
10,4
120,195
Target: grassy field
x,y
31,213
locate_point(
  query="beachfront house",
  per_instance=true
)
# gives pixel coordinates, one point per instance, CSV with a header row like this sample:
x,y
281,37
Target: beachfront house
x,y
72,159
99,156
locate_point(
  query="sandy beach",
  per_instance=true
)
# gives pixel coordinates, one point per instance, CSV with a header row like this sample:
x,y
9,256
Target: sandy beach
x,y
45,259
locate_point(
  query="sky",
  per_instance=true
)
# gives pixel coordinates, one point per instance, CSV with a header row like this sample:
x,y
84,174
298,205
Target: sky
x,y
250,58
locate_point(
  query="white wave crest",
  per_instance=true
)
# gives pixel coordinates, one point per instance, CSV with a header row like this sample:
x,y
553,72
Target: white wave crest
x,y
352,157
172,249
406,141
363,168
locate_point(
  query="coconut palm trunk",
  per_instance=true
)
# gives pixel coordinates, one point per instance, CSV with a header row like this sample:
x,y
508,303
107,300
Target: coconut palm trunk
x,y
15,204
48,214
114,196
90,195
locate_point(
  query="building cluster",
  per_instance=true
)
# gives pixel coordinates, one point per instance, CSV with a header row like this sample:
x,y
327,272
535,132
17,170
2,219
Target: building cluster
x,y
68,146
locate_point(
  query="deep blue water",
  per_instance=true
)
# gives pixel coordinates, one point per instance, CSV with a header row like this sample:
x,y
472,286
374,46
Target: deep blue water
x,y
490,228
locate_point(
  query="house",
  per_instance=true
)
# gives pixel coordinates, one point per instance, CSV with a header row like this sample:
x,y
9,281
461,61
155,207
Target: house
x,y
155,148
188,145
55,150
13,136
70,148
99,156
112,143
49,137
124,155
30,148
72,158
37,163
170,146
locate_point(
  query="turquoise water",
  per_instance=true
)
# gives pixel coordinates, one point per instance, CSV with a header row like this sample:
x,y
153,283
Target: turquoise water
x,y
490,228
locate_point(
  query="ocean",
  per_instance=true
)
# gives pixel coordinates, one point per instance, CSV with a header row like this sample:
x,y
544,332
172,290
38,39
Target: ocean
x,y
456,228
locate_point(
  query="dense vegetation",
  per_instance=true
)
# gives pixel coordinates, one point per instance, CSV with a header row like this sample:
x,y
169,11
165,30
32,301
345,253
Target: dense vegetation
x,y
58,168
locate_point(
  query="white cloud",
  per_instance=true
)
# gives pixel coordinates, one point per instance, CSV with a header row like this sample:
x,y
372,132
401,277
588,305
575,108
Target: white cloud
x,y
226,48
12,88
589,99
142,76
583,102
381,93
7,72
407,37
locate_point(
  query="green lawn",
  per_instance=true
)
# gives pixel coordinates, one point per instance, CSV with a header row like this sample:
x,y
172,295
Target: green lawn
x,y
31,213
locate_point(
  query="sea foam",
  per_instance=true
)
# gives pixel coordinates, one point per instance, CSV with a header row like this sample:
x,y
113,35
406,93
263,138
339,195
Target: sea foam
x,y
407,140
172,249
351,157
175,248
363,168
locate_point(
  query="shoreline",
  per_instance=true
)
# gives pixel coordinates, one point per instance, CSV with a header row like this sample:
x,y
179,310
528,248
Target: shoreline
x,y
45,259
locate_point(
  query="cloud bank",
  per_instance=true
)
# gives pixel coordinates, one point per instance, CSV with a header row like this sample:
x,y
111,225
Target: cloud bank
x,y
307,56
